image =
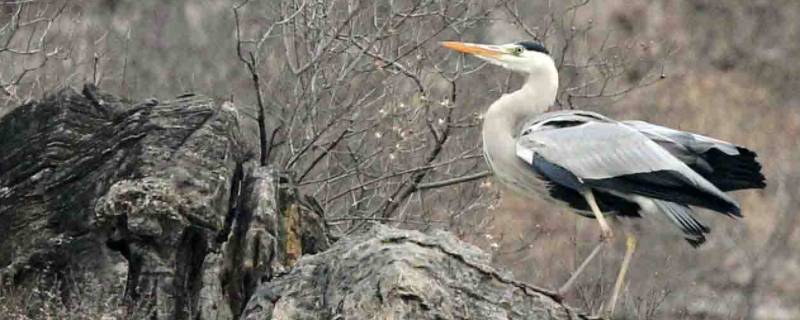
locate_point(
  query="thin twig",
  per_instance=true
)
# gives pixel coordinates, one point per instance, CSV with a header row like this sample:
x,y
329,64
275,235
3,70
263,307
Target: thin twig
x,y
449,182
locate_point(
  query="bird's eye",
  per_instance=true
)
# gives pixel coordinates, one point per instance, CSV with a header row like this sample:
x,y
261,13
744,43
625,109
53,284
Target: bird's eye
x,y
516,51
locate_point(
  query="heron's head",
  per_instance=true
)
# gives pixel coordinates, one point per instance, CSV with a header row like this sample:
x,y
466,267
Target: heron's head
x,y
529,57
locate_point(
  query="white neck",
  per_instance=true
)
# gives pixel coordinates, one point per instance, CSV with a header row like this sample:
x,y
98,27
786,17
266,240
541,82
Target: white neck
x,y
502,122
537,94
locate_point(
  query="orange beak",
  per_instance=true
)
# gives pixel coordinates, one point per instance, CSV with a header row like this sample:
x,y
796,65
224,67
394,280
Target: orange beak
x,y
473,49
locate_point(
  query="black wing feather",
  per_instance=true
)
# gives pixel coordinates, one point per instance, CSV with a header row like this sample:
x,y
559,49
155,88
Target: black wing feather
x,y
665,185
564,186
729,172
681,216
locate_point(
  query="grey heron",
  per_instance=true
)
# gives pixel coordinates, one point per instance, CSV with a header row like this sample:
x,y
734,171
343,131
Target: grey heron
x,y
598,166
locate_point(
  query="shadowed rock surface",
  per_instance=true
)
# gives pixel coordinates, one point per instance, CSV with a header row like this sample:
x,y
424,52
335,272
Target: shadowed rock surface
x,y
388,273
155,210
142,208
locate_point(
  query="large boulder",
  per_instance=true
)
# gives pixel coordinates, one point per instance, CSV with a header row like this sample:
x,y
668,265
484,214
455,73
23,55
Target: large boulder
x,y
388,273
111,207
114,201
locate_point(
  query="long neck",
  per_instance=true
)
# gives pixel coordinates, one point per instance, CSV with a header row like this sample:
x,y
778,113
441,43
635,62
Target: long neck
x,y
505,116
507,113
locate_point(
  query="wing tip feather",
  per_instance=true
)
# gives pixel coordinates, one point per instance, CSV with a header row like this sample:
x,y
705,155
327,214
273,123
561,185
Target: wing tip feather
x,y
697,241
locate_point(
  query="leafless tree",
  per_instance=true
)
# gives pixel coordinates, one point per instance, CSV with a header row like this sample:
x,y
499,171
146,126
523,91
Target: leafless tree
x,y
26,45
358,106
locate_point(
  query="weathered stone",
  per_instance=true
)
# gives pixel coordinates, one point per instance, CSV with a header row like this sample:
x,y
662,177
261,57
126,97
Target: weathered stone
x,y
270,231
398,274
126,196
212,301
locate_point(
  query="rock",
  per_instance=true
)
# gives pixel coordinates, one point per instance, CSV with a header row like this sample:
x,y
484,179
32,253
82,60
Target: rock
x,y
265,236
212,303
119,197
388,273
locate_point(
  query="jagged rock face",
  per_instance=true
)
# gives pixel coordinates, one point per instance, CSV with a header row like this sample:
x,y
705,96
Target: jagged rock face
x,y
398,274
142,209
129,197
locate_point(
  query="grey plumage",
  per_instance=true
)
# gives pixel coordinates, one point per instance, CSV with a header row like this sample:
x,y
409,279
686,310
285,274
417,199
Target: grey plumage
x,y
681,216
581,149
600,166
727,166
564,155
684,141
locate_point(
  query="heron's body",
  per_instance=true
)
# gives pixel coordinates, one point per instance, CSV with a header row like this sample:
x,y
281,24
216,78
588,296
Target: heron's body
x,y
636,169
599,166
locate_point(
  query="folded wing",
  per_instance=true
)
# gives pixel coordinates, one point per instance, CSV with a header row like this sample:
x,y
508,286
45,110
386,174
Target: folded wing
x,y
727,166
616,158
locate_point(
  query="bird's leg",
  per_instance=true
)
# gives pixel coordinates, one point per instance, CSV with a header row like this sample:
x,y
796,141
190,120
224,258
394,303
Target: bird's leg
x,y
605,235
605,230
567,285
630,246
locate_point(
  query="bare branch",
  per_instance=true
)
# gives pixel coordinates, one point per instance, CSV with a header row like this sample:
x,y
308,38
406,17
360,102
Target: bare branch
x,y
450,182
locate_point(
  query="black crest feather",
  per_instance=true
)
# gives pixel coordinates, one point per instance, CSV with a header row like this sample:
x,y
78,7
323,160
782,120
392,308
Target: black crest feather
x,y
533,46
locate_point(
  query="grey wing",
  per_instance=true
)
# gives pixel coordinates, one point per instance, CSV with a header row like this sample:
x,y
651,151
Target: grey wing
x,y
686,140
727,166
608,155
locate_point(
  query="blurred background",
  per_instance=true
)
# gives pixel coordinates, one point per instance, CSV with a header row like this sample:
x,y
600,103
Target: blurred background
x,y
365,112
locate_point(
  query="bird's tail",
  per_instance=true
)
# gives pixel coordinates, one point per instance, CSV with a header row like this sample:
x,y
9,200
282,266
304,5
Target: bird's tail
x,y
681,215
734,172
